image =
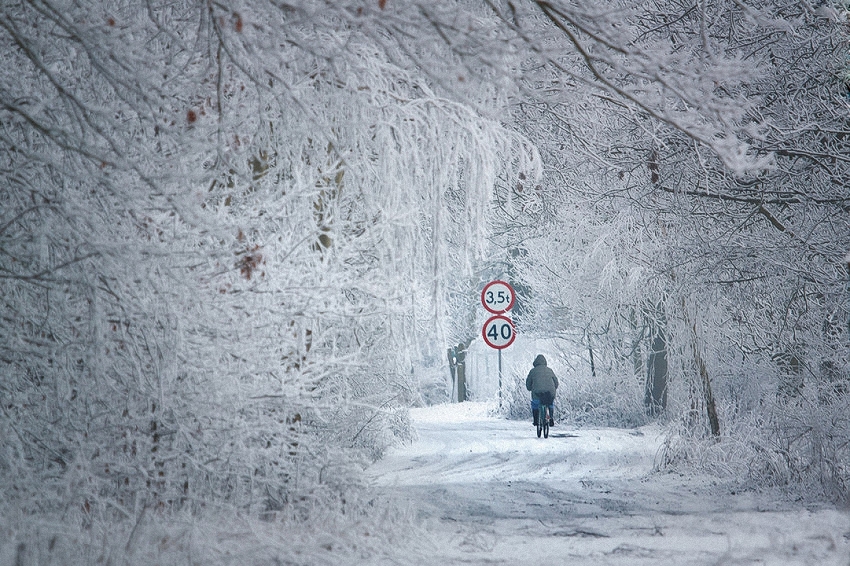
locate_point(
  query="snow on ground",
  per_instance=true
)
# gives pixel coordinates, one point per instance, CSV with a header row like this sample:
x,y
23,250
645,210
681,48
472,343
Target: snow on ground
x,y
487,491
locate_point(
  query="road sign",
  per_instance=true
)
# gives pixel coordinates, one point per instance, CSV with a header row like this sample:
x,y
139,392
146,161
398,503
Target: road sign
x,y
498,332
498,297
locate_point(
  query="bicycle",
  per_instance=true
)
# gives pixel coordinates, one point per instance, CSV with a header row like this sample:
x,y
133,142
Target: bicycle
x,y
546,410
543,421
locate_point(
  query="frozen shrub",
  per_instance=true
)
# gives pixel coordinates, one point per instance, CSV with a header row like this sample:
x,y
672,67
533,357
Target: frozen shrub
x,y
605,401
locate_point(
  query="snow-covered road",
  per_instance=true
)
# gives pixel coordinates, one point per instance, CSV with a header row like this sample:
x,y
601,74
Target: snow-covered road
x,y
487,491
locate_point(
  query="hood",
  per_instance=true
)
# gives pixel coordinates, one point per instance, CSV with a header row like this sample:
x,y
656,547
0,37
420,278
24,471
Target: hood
x,y
539,360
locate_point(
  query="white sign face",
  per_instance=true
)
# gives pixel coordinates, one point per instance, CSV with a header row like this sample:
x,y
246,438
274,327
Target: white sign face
x,y
498,332
498,297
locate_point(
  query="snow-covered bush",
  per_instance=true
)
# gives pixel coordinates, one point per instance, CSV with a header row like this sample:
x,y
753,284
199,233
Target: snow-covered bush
x,y
584,401
797,444
609,400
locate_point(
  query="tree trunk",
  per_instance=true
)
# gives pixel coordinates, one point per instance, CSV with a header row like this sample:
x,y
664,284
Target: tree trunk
x,y
452,355
707,393
637,360
460,356
655,393
457,367
461,383
590,354
705,380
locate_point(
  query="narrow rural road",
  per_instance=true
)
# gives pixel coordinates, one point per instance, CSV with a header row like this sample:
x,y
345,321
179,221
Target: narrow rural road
x,y
487,491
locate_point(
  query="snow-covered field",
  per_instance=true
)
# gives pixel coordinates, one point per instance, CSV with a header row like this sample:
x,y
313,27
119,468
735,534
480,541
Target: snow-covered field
x,y
486,490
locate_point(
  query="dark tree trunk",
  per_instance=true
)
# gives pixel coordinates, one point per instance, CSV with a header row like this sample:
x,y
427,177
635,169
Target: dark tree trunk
x,y
590,354
461,383
655,393
451,353
457,367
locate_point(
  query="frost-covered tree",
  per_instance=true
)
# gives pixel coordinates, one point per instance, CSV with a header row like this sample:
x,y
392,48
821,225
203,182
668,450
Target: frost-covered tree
x,y
221,226
741,255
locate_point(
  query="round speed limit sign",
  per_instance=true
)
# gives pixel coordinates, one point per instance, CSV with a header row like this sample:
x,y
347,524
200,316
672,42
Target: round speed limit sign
x,y
498,297
498,332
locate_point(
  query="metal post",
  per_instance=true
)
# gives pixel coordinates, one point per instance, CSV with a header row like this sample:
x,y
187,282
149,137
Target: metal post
x,y
500,379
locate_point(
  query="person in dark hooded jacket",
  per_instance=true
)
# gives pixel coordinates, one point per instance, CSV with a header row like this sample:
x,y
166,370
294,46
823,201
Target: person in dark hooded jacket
x,y
543,383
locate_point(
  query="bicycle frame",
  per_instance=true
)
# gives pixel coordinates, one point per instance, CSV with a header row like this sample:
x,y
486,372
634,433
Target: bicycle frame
x,y
545,414
543,420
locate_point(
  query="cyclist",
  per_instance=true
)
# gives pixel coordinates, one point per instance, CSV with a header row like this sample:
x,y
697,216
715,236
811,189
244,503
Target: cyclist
x,y
543,383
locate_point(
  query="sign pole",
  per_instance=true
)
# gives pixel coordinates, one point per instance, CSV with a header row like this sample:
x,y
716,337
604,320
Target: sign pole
x,y
500,378
498,298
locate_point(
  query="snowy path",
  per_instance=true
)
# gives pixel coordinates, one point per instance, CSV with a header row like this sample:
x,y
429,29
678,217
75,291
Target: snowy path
x,y
487,491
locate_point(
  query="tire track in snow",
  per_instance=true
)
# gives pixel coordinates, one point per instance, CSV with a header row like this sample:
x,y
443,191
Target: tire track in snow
x,y
487,491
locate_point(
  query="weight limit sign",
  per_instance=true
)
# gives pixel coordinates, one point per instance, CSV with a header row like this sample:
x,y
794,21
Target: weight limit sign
x,y
498,297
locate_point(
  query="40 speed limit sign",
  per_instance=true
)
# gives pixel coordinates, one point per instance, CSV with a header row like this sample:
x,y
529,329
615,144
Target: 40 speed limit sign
x,y
498,332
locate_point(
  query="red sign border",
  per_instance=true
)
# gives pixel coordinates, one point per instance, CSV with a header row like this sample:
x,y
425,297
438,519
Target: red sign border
x,y
491,319
506,284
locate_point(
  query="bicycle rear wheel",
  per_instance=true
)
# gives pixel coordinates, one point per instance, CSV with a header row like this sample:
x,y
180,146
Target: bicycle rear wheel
x,y
545,425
